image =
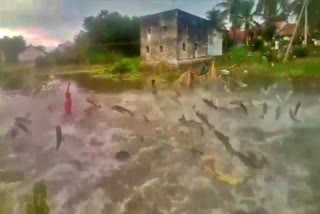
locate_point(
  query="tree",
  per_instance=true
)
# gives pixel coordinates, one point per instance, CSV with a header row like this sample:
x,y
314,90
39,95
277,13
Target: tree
x,y
216,19
246,17
12,47
112,31
313,12
230,11
267,8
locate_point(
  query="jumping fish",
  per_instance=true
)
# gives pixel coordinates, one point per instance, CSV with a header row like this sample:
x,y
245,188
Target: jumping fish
x,y
22,127
244,108
204,120
265,109
122,156
191,123
122,110
59,137
210,103
292,116
278,112
298,105
146,119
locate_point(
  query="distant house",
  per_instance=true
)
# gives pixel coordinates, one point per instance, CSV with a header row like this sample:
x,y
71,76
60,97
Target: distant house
x,y
63,46
30,54
176,36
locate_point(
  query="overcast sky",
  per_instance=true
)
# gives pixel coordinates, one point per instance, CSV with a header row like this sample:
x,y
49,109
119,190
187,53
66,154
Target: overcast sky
x,y
50,22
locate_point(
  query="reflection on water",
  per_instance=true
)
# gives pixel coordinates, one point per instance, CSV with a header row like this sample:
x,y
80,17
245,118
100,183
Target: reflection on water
x,y
162,175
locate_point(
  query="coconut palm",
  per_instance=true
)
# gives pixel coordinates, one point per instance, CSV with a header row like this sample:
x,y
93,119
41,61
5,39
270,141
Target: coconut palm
x,y
246,17
313,12
230,10
216,19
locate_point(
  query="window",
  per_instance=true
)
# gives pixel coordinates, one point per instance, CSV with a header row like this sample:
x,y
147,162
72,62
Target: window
x,y
184,46
196,46
149,30
161,48
164,28
147,49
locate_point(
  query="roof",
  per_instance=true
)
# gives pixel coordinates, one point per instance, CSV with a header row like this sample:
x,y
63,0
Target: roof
x,y
31,46
288,30
173,11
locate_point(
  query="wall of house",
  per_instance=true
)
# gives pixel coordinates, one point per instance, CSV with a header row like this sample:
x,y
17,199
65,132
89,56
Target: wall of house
x,y
158,37
30,55
192,36
215,44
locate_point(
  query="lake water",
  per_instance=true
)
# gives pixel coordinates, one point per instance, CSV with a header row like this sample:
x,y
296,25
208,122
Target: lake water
x,y
163,173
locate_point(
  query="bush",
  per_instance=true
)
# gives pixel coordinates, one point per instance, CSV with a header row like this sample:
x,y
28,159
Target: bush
x,y
257,44
239,54
125,66
300,52
43,62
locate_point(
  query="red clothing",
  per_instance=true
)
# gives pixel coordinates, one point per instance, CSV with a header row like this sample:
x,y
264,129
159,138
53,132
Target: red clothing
x,y
68,102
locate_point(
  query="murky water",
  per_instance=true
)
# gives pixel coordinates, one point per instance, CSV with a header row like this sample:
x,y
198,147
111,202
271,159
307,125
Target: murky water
x,y
162,175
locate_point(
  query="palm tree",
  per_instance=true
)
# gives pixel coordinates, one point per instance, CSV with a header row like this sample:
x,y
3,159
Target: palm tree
x,y
216,19
246,17
230,10
313,11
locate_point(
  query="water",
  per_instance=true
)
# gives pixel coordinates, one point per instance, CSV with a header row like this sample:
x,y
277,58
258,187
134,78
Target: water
x,y
162,174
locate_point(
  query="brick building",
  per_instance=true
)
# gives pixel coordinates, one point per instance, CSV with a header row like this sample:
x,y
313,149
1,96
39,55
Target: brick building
x,y
176,36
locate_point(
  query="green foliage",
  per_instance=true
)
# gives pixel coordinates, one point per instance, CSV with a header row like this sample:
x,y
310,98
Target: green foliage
x,y
37,202
125,66
239,54
257,44
300,52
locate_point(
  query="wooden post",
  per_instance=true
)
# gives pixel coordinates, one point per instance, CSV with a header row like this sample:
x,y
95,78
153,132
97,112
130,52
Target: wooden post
x,y
294,32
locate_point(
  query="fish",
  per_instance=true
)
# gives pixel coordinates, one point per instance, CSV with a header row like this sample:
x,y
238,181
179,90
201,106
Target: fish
x,y
244,108
154,88
59,137
204,120
278,112
291,113
93,102
195,151
236,102
122,110
122,156
23,120
298,105
146,119
210,103
191,124
225,140
265,109
22,127
251,160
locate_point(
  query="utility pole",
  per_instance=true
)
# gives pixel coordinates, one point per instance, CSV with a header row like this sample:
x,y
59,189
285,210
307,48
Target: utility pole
x,y
294,32
306,24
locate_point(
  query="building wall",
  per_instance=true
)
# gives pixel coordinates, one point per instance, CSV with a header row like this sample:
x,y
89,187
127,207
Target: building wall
x,y
193,36
30,55
158,33
215,44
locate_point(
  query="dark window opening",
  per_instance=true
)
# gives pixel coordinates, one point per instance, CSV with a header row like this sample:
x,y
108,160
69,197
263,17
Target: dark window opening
x,y
184,46
147,49
161,48
196,46
164,28
149,30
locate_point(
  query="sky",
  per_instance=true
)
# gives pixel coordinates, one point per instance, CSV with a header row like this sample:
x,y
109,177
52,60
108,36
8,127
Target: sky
x,y
51,22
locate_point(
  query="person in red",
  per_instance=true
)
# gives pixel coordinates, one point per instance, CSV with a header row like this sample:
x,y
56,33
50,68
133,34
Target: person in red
x,y
68,101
